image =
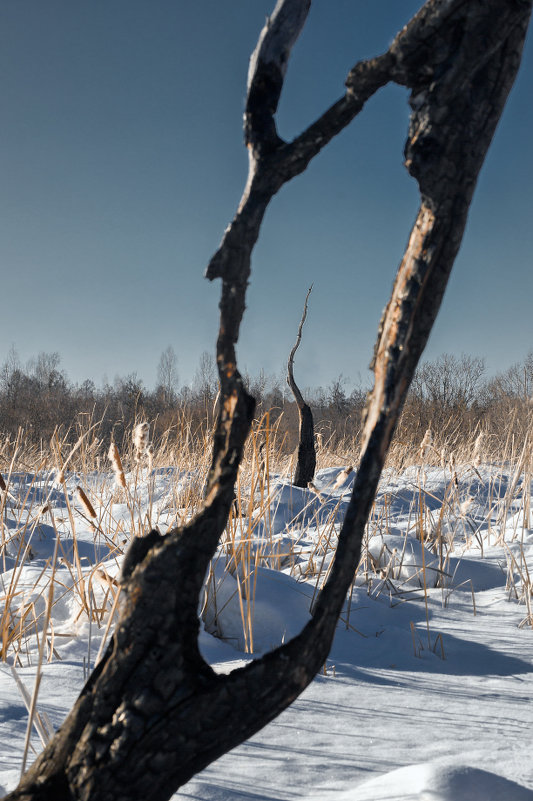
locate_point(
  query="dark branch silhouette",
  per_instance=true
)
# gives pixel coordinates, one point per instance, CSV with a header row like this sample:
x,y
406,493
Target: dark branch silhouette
x,y
306,460
153,713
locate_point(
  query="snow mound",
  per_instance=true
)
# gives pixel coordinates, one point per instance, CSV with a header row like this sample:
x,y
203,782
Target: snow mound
x,y
279,608
431,781
403,558
295,508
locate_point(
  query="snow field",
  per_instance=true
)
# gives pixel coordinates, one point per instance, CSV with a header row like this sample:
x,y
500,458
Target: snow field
x,y
426,693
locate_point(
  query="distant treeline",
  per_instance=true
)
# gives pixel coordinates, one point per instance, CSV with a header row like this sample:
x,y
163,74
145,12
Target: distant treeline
x,y
451,395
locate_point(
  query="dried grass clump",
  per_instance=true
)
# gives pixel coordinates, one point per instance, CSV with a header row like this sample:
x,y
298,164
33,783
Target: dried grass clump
x,y
184,450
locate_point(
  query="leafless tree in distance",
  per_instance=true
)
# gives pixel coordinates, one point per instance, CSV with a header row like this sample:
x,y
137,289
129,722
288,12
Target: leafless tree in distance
x,y
153,713
167,374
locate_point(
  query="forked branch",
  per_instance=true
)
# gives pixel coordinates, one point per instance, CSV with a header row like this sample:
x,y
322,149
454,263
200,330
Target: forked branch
x,y
153,713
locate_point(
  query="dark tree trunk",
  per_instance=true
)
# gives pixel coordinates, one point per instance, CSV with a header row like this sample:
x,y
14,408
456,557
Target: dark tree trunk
x,y
153,713
306,461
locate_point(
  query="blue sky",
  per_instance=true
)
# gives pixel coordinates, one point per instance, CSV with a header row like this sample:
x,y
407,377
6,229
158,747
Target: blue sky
x,y
122,162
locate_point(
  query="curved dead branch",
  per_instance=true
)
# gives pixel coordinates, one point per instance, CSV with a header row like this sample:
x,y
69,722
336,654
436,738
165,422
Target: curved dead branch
x,y
306,461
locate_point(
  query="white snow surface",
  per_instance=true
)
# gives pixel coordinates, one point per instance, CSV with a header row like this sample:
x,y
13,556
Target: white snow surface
x,y
427,692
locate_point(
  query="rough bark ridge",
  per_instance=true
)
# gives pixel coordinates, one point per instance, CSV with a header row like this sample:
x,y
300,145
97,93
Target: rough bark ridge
x,y
153,713
306,462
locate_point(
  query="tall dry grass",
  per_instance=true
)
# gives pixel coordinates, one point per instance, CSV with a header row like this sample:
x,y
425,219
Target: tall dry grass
x,y
85,481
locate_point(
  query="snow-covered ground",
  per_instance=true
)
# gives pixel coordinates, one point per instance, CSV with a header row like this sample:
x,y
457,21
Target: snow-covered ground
x,y
427,691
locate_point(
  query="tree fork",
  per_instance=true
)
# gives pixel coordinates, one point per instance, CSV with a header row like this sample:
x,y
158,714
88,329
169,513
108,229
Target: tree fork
x,y
153,712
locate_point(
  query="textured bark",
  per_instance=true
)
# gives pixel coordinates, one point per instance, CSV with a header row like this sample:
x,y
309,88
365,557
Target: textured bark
x,y
153,713
306,461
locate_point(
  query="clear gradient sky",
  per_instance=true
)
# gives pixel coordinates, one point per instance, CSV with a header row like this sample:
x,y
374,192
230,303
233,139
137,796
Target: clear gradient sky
x,y
122,162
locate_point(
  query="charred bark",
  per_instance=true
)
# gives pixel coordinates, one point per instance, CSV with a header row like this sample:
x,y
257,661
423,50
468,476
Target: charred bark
x,y
306,461
153,713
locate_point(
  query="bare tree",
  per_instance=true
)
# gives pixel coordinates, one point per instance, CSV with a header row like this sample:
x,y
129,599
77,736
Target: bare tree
x,y
167,374
45,369
450,382
10,366
153,713
516,381
205,380
306,461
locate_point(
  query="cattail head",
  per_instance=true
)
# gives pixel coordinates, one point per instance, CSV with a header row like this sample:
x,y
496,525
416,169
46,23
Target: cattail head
x,y
426,444
465,505
476,455
150,455
141,441
85,502
103,578
343,475
114,458
315,489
